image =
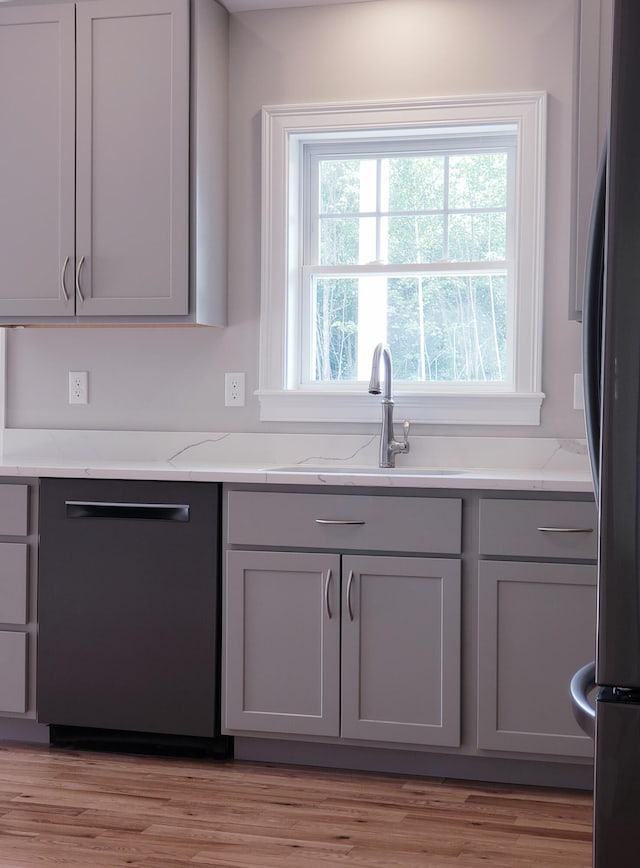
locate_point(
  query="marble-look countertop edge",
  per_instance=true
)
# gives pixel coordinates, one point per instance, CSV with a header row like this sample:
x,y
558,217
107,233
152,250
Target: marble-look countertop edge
x,y
488,478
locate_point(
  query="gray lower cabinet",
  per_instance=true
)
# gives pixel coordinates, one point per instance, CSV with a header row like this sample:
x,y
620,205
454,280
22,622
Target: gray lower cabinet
x,y
401,649
17,599
353,646
282,647
536,623
97,100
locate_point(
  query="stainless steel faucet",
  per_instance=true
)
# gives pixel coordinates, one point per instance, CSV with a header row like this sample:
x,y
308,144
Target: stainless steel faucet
x,y
389,447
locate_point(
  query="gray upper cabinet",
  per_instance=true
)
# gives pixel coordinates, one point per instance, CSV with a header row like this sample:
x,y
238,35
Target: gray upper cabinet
x,y
108,224
132,157
37,159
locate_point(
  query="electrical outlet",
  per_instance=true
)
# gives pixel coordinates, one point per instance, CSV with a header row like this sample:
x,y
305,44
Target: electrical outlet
x,y
234,390
78,387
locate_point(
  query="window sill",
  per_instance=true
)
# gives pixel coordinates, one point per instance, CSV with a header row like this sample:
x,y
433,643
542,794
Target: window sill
x,y
496,408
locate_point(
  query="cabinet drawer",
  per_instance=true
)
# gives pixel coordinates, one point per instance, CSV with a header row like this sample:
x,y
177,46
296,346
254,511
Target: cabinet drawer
x,y
539,528
14,502
13,583
13,671
347,522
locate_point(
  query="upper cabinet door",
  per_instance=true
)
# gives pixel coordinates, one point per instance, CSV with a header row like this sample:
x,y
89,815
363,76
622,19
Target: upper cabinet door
x,y
37,106
132,187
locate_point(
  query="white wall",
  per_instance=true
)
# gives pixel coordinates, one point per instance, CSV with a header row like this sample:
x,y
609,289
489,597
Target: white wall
x,y
173,378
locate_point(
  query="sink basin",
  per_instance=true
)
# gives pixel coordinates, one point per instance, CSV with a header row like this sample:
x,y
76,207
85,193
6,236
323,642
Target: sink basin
x,y
350,469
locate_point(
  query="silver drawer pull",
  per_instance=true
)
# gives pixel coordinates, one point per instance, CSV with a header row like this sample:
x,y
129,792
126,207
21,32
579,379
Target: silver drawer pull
x,y
327,585
565,529
338,521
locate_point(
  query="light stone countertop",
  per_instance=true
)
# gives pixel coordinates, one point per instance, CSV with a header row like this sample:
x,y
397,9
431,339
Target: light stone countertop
x,y
510,464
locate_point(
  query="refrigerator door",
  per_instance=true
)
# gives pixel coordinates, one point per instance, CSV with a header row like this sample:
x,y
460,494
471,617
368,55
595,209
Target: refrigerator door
x,y
618,649
616,830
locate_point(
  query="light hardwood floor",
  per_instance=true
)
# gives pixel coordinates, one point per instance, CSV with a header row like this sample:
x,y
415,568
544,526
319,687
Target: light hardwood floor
x,y
62,807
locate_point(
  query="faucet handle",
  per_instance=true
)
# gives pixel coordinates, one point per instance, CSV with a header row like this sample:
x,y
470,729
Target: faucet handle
x,y
405,432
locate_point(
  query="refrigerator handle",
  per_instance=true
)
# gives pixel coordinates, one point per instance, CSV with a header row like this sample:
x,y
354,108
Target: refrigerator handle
x,y
592,320
581,684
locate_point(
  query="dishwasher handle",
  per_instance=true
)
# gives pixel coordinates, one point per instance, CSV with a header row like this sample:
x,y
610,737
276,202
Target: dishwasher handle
x,y
149,511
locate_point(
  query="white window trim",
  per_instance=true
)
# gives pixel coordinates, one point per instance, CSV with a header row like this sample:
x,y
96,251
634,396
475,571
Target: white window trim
x,y
283,128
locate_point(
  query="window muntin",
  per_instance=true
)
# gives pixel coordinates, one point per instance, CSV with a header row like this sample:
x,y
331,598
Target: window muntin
x,y
411,246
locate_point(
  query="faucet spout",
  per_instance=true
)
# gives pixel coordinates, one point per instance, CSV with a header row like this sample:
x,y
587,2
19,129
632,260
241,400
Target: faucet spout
x,y
381,351
389,447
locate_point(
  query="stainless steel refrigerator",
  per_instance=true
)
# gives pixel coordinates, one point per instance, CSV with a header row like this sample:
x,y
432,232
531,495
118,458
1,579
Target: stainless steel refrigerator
x,y
612,403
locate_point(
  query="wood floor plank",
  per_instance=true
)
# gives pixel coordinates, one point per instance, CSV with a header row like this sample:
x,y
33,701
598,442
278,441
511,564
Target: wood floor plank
x,y
80,809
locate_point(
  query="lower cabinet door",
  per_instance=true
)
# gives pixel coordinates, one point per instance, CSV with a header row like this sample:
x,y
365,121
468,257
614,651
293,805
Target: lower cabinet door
x,y
13,671
537,626
282,642
401,649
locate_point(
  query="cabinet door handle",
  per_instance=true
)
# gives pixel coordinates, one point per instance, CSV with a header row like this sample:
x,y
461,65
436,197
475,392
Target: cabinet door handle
x,y
349,586
78,270
338,521
63,285
327,585
565,529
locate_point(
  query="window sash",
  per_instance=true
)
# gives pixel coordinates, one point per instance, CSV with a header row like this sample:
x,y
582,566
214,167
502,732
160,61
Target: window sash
x,y
313,156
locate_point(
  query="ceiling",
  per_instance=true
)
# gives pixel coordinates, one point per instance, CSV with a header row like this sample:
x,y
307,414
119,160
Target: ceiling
x,y
246,5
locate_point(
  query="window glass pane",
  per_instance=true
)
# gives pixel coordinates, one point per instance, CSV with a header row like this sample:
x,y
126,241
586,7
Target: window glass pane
x,y
335,307
478,181
415,239
448,329
415,183
440,329
339,186
339,240
477,237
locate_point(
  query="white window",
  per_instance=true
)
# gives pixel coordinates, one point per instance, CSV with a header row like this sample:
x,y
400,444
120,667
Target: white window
x,y
419,225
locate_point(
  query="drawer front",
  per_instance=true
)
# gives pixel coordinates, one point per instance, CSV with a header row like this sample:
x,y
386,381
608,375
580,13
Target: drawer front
x,y
13,671
14,506
539,528
345,522
13,583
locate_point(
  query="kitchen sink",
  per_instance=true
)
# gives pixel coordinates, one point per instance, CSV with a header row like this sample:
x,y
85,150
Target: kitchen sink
x,y
350,469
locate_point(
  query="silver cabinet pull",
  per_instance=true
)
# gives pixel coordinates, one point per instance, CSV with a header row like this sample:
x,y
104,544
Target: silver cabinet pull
x,y
349,585
338,521
327,585
78,270
63,285
565,529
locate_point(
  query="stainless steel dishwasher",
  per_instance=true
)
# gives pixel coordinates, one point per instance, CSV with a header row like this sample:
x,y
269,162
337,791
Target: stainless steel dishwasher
x,y
128,607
